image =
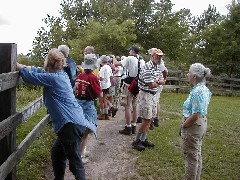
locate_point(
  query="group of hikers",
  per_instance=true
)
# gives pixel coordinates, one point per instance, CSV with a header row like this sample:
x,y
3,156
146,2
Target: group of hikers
x,y
72,95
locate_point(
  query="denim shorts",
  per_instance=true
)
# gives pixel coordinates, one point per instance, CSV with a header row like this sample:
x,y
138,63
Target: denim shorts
x,y
89,110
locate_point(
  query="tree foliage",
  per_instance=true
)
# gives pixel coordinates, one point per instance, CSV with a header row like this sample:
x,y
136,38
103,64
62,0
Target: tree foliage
x,y
222,47
106,38
111,26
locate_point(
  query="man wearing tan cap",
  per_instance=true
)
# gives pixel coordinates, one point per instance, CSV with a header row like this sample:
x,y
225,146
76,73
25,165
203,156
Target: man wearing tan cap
x,y
149,82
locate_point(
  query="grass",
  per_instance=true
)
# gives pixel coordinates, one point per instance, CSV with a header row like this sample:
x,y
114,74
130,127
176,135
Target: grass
x,y
38,155
221,147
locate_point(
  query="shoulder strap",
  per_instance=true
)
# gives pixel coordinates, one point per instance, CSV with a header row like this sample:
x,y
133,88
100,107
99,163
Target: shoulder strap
x,y
138,66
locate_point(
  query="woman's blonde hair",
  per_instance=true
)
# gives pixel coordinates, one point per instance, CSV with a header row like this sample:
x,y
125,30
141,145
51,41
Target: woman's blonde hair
x,y
55,59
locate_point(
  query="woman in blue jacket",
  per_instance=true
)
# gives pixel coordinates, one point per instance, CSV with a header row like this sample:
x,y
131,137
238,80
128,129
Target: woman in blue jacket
x,y
66,114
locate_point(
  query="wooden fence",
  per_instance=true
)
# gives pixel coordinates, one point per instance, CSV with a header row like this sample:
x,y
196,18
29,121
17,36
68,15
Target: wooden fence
x,y
178,80
10,154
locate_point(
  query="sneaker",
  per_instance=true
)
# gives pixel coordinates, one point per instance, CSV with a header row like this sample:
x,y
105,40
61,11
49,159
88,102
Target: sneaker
x,y
156,122
126,131
134,129
85,160
147,143
138,145
110,111
151,125
114,112
139,120
85,154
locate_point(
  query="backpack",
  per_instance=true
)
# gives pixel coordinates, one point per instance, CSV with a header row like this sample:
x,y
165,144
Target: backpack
x,y
84,88
71,70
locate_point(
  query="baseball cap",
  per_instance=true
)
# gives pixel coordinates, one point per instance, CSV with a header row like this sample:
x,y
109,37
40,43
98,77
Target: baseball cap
x,y
155,51
134,48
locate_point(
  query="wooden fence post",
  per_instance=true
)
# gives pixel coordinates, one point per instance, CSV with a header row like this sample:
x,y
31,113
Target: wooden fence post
x,y
8,59
231,85
178,75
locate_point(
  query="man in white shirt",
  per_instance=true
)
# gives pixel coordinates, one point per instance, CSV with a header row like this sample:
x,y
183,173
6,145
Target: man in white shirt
x,y
131,64
104,74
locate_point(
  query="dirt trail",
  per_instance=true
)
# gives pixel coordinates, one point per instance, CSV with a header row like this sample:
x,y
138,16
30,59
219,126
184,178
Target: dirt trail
x,y
109,156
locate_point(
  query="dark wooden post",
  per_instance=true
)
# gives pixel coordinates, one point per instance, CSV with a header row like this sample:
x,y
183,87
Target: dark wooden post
x,y
178,76
231,82
8,59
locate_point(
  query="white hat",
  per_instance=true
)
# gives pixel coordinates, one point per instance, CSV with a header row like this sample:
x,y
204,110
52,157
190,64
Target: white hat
x,y
90,61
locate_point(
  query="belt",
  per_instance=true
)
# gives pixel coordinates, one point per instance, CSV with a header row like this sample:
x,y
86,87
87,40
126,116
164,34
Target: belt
x,y
199,117
84,98
153,93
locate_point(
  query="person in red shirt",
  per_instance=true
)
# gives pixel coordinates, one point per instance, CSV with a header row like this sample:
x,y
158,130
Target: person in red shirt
x,y
87,90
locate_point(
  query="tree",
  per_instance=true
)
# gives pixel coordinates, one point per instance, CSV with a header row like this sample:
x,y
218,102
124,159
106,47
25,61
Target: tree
x,y
47,39
222,46
107,38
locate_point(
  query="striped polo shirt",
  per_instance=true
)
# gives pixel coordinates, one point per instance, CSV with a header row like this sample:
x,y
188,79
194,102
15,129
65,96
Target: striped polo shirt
x,y
149,73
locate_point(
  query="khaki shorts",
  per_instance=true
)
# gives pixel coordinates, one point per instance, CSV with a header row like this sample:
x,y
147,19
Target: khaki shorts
x,y
147,106
127,99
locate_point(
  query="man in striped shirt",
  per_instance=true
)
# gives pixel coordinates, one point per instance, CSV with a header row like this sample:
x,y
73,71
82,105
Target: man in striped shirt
x,y
149,82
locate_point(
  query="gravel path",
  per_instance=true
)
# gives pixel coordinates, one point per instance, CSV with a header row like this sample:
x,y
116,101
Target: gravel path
x,y
109,156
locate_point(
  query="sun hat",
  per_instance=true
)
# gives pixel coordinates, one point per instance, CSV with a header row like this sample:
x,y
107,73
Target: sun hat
x,y
105,59
90,61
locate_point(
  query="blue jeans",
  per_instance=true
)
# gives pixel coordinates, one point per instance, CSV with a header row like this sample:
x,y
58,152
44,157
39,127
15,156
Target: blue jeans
x,y
67,146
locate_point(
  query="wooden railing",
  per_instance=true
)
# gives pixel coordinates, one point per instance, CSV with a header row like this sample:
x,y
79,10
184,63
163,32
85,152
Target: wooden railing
x,y
178,80
10,155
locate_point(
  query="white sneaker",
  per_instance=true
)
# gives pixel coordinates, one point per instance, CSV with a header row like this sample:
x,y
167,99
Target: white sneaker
x,y
85,160
85,152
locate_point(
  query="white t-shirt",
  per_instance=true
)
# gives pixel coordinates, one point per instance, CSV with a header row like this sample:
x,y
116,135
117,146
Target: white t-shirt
x,y
105,73
131,64
162,66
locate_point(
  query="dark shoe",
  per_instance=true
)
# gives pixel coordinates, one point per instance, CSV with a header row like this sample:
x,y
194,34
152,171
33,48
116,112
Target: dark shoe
x,y
110,111
101,117
138,145
107,117
139,120
151,125
114,112
156,122
147,143
126,130
134,129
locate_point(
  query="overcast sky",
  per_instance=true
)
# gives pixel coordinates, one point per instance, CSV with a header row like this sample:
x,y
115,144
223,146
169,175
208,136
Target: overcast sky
x,y
21,19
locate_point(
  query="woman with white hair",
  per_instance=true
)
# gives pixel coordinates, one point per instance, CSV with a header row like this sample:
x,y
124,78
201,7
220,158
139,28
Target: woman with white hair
x,y
70,67
68,120
194,124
